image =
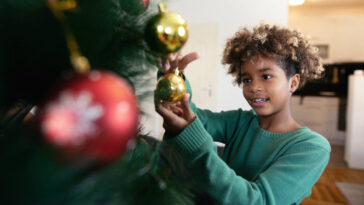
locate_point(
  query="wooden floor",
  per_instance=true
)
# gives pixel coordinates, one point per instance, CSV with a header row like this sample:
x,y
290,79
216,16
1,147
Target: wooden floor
x,y
325,191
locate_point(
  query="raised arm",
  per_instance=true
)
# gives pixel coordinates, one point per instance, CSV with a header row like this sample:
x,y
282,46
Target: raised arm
x,y
286,181
218,124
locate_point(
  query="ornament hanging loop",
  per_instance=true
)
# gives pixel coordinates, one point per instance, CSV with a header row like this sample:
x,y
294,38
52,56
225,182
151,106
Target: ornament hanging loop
x,y
59,6
64,5
162,7
177,72
80,63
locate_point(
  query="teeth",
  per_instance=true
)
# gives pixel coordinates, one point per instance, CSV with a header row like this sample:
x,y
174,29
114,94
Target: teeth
x,y
258,100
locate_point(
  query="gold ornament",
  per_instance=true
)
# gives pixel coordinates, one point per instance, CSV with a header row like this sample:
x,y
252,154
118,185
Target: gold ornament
x,y
170,88
166,32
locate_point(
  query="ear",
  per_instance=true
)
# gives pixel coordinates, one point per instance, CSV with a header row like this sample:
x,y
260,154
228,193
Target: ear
x,y
294,83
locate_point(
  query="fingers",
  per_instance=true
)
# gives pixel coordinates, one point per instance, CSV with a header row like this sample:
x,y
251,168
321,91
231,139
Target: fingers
x,y
169,110
187,111
166,113
170,62
176,60
187,59
165,66
172,123
185,104
174,117
177,110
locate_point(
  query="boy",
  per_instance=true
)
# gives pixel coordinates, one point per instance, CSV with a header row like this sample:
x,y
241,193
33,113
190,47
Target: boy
x,y
268,158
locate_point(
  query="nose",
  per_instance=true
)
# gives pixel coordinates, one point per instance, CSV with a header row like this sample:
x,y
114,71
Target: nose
x,y
255,86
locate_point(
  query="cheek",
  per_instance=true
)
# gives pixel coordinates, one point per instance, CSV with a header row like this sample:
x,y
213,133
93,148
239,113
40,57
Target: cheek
x,y
244,89
278,89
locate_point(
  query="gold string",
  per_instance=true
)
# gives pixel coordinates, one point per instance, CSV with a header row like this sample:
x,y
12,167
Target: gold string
x,y
79,62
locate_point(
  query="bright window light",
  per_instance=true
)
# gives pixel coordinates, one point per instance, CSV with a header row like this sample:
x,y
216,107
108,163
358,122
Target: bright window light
x,y
296,2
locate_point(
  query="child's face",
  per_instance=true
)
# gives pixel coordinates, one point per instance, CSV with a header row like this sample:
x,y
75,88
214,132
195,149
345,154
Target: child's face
x,y
266,87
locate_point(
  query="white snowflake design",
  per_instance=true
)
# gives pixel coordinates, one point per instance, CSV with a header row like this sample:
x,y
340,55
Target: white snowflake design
x,y
86,114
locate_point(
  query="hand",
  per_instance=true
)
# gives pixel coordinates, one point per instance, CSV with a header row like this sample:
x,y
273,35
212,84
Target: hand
x,y
176,116
176,60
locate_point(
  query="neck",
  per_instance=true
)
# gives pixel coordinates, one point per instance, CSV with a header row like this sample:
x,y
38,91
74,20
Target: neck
x,y
279,122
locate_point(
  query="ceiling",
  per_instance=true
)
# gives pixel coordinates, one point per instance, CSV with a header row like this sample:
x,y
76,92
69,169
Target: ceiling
x,y
334,3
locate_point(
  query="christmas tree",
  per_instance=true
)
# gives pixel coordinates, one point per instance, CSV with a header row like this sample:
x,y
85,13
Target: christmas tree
x,y
72,76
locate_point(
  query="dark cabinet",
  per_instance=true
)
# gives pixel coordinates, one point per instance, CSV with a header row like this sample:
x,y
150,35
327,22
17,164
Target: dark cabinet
x,y
334,81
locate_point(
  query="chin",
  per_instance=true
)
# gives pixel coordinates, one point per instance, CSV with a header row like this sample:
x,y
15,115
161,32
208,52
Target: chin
x,y
263,113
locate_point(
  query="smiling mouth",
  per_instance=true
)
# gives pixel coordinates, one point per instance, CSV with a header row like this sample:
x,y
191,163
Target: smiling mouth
x,y
258,101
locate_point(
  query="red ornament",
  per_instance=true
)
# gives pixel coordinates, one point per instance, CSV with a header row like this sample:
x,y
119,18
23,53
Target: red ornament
x,y
92,116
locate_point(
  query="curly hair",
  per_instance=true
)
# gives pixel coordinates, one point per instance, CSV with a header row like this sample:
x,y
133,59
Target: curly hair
x,y
290,48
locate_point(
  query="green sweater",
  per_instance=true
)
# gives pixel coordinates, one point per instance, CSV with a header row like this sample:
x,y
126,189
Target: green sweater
x,y
257,166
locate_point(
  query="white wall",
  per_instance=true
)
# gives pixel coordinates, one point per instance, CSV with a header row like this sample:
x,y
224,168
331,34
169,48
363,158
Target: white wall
x,y
230,15
339,27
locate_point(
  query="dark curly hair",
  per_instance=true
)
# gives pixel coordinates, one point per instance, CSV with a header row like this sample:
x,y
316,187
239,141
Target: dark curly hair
x,y
290,48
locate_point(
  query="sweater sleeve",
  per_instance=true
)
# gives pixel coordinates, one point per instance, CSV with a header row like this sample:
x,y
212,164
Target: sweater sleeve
x,y
287,181
220,125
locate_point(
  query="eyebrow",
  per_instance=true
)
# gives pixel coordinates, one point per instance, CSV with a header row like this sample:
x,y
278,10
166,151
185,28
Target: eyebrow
x,y
262,70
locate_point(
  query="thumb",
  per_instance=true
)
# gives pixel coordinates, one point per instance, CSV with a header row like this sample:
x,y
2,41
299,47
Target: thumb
x,y
185,105
187,59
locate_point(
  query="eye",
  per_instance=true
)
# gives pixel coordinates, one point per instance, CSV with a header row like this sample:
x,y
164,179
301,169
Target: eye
x,y
267,76
246,80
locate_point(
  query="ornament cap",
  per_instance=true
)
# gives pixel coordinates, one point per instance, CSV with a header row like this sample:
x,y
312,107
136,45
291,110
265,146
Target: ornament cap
x,y
162,7
80,63
177,72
